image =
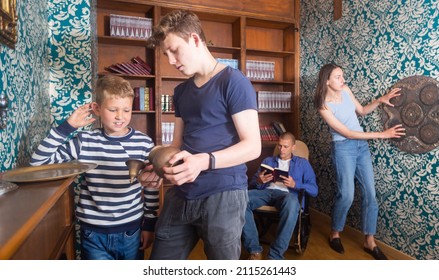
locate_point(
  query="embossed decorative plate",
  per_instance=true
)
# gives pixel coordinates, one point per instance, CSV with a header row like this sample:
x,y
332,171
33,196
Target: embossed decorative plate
x,y
417,109
47,172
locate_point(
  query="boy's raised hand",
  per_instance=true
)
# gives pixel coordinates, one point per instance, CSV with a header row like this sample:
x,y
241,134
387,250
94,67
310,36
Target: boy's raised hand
x,y
81,117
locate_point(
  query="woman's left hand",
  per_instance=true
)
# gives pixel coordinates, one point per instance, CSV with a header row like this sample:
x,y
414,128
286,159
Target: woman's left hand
x,y
385,99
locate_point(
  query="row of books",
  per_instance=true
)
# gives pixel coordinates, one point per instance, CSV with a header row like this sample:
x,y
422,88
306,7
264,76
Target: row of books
x,y
229,61
130,27
166,103
143,99
136,67
274,101
260,70
271,132
268,133
167,132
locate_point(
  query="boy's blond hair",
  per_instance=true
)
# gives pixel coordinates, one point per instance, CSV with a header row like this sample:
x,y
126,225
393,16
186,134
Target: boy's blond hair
x,y
179,22
112,86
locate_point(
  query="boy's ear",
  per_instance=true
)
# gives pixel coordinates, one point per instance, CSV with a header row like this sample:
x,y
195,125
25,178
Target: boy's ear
x,y
196,38
95,108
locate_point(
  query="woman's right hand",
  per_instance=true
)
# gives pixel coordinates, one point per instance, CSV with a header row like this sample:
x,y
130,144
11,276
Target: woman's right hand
x,y
394,132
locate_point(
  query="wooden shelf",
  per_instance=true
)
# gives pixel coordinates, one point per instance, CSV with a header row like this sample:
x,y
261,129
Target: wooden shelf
x,y
121,41
269,53
229,50
272,82
143,112
233,29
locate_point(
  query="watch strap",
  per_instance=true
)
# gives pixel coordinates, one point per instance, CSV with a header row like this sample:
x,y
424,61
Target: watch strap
x,y
211,161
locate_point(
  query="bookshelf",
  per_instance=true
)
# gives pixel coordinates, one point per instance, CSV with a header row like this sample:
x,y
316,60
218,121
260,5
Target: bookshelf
x,y
257,30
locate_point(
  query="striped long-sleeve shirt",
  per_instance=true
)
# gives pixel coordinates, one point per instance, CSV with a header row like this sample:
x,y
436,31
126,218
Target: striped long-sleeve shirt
x,y
108,202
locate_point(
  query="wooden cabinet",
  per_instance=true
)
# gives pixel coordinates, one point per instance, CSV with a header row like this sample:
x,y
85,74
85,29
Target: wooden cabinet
x,y
259,30
37,221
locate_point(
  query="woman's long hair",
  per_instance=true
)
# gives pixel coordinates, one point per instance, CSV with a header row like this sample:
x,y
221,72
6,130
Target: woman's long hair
x,y
322,87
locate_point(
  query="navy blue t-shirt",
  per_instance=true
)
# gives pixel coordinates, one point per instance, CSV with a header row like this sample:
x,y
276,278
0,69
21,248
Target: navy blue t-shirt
x,y
208,127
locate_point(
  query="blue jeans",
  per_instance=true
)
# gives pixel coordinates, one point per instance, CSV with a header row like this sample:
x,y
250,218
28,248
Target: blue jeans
x,y
217,220
288,205
351,160
110,246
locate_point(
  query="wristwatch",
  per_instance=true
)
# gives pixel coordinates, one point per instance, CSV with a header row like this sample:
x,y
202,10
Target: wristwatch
x,y
211,161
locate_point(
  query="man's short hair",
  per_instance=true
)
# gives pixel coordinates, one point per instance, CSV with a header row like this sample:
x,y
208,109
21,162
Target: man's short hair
x,y
288,135
179,22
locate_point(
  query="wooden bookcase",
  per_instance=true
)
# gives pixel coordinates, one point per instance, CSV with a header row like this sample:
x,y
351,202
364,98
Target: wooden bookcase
x,y
247,30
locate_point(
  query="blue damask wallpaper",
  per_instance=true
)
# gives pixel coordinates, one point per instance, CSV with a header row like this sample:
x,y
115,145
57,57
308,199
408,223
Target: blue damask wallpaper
x,y
377,43
71,63
46,76
24,79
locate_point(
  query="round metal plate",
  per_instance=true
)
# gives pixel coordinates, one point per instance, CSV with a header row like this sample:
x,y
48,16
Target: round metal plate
x,y
47,172
417,109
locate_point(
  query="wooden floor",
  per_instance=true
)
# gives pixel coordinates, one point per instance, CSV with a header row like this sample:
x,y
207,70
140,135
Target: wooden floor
x,y
318,248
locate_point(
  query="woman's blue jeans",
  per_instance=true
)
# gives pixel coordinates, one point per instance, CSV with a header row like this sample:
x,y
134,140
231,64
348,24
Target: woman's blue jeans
x,y
352,160
288,205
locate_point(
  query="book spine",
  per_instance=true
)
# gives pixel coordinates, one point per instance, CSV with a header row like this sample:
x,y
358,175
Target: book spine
x,y
123,68
142,98
146,99
143,63
139,69
136,100
132,69
114,69
273,133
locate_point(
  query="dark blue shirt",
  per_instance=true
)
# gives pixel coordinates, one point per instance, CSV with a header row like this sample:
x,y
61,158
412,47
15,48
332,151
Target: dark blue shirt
x,y
208,127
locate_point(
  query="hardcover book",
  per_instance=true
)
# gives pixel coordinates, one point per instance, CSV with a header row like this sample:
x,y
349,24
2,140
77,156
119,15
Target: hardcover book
x,y
114,69
279,128
275,171
140,61
142,98
136,100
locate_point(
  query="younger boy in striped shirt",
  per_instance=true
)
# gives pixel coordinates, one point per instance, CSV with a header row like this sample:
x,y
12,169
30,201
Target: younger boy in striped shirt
x,y
117,217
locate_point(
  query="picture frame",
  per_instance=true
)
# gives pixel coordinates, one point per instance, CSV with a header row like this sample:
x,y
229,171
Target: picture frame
x,y
8,22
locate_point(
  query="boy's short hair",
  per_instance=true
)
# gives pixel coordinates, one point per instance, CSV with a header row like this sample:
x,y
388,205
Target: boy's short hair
x,y
112,86
288,135
180,22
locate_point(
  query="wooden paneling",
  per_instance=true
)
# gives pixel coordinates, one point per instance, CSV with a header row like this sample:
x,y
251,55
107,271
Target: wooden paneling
x,y
37,221
338,8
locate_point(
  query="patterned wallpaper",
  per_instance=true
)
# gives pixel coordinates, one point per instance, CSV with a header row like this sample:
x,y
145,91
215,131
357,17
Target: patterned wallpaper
x,y
24,72
47,75
71,60
377,43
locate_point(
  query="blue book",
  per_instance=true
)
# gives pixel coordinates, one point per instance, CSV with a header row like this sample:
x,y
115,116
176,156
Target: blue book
x,y
142,98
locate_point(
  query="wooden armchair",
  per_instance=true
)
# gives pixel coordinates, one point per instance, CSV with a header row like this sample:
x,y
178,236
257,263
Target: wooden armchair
x,y
267,215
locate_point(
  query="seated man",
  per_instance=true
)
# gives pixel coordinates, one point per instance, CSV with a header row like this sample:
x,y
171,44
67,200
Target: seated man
x,y
282,194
